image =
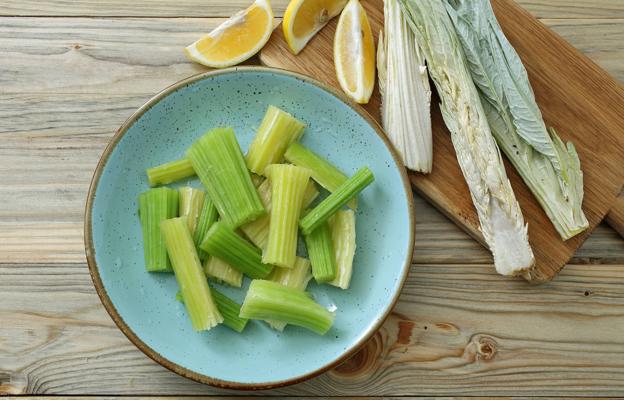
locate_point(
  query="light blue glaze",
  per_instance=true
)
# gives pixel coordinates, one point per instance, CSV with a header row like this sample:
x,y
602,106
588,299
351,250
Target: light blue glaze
x,y
146,302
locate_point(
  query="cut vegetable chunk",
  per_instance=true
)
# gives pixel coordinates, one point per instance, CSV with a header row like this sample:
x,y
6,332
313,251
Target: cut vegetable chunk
x,y
221,271
228,308
258,231
321,252
170,172
277,131
342,227
190,206
230,311
156,205
321,170
288,185
270,300
296,277
199,304
219,163
207,217
222,242
332,203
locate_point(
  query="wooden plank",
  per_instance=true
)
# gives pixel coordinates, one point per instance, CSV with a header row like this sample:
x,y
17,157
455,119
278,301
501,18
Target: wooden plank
x,y
575,96
221,8
457,330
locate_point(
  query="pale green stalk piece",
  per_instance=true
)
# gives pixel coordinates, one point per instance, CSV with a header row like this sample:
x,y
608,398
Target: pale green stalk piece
x,y
228,308
207,217
478,155
288,185
321,253
170,172
549,167
296,277
277,131
258,231
342,227
405,92
321,170
332,203
219,163
222,242
272,301
221,271
156,205
199,304
191,205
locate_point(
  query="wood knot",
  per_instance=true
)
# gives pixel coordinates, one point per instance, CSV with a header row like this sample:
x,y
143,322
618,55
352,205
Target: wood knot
x,y
482,348
76,46
405,332
362,361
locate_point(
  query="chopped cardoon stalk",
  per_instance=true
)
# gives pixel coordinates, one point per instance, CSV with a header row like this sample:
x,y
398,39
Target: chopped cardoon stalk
x,y
207,217
288,185
228,308
258,231
190,205
332,203
270,300
170,172
222,242
321,170
276,132
221,271
156,205
500,216
321,253
342,227
199,304
405,91
296,277
219,163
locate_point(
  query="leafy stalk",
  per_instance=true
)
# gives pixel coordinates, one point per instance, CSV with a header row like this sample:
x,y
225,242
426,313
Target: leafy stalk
x,y
207,217
221,271
478,155
156,205
190,205
228,308
549,167
170,172
296,277
342,227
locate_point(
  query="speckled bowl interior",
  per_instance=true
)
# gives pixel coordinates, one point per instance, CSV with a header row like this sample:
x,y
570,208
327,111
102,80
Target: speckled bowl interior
x,y
144,305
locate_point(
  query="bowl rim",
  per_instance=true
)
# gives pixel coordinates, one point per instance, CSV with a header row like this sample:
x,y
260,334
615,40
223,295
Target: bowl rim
x,y
112,310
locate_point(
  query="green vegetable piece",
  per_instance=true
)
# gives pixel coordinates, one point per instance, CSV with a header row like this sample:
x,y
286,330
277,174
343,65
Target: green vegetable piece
x,y
342,227
296,277
156,205
190,205
219,163
270,300
288,185
228,308
170,172
321,170
188,272
207,217
277,131
222,242
321,252
332,203
221,271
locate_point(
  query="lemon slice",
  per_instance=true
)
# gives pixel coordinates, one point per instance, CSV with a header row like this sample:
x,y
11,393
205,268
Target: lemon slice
x,y
236,39
354,53
304,18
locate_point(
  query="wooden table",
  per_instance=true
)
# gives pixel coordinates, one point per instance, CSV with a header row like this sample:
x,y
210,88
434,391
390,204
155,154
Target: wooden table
x,y
72,72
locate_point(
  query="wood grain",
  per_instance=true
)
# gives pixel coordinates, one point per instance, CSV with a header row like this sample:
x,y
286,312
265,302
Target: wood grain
x,y
221,8
457,330
575,96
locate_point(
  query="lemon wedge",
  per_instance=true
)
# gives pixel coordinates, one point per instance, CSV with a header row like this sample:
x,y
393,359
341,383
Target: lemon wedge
x,y
236,39
304,18
354,53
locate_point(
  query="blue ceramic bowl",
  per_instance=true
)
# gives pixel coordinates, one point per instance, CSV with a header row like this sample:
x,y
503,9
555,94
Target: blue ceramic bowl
x,y
143,304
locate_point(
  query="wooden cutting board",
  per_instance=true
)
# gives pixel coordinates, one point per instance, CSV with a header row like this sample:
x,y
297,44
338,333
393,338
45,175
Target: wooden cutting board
x,y
576,96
